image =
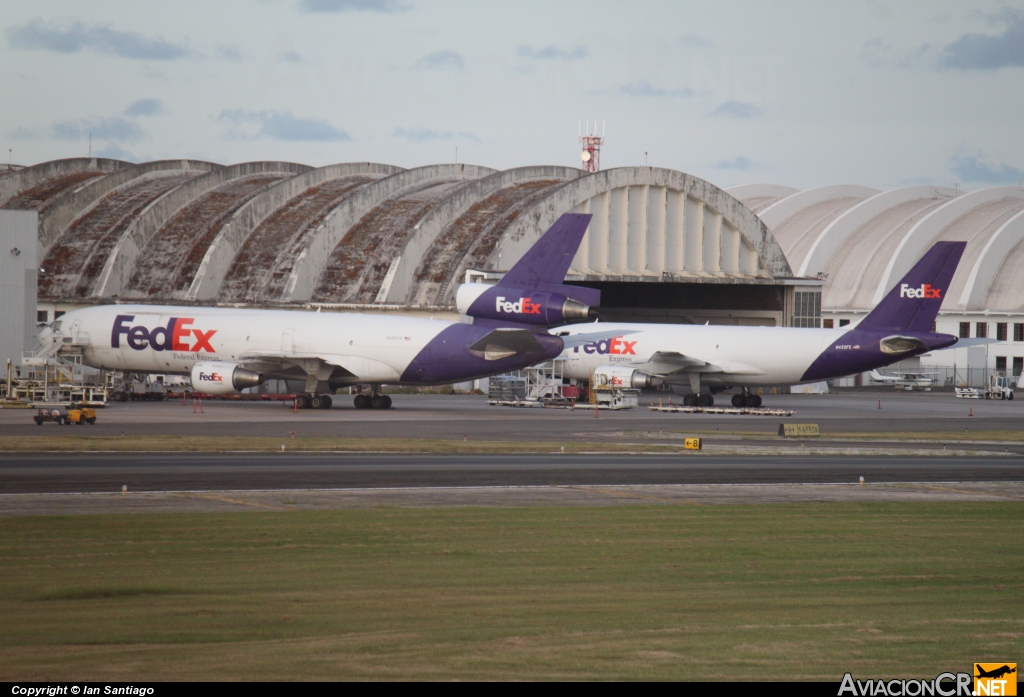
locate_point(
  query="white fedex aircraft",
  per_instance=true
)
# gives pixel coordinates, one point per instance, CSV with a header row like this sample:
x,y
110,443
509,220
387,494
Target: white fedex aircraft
x,y
709,359
225,350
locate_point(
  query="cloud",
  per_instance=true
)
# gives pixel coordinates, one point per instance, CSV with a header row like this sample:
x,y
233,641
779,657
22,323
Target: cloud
x,y
975,169
643,88
145,107
384,6
422,135
22,133
229,53
694,41
551,53
105,128
987,51
290,57
75,37
115,152
738,163
283,125
740,110
441,60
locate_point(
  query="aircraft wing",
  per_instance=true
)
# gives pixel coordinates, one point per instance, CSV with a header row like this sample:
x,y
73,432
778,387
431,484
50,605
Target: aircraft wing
x,y
666,363
320,367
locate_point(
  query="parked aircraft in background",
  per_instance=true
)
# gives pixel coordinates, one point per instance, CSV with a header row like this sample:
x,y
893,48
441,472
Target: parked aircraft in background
x,y
907,380
709,359
226,350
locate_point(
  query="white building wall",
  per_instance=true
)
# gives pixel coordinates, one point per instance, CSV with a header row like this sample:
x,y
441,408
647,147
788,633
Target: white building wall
x,y
19,268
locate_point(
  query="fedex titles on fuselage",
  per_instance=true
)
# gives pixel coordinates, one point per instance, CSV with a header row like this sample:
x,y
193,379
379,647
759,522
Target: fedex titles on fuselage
x,y
617,349
175,336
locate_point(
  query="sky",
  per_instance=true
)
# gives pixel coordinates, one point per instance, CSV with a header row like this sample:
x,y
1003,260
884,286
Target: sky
x,y
804,94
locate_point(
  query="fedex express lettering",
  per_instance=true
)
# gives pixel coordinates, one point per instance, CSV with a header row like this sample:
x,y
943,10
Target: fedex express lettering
x,y
173,337
925,291
616,347
524,306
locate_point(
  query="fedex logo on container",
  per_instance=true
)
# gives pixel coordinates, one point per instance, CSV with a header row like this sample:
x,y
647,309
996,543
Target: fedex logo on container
x,y
615,346
523,306
174,337
925,291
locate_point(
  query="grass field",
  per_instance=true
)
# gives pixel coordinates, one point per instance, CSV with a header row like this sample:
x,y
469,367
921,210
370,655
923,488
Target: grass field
x,y
803,591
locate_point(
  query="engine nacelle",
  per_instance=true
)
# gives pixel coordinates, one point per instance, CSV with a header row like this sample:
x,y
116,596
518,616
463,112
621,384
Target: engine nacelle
x,y
520,306
223,378
624,376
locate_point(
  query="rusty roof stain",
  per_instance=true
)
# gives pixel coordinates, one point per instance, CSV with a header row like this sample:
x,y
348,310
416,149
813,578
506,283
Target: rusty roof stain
x,y
469,241
79,254
169,261
262,266
41,196
360,262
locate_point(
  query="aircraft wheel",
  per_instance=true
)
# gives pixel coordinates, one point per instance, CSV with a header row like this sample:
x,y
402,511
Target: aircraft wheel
x,y
757,400
749,400
689,400
302,401
326,401
377,401
316,402
387,401
739,400
705,400
362,401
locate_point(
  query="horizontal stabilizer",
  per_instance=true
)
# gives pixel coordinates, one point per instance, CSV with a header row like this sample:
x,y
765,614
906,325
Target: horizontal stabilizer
x,y
502,343
968,343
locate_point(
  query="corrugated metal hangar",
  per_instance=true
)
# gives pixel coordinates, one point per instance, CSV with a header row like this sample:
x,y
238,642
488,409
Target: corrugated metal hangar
x,y
663,246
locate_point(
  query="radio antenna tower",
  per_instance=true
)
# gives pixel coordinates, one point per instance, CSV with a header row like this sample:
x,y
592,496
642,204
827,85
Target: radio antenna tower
x,y
591,143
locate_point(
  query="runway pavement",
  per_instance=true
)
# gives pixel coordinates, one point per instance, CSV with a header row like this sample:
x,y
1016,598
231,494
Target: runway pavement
x,y
452,417
96,472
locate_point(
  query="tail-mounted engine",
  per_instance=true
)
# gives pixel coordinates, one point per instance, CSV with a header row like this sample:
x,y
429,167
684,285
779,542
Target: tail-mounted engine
x,y
506,304
223,378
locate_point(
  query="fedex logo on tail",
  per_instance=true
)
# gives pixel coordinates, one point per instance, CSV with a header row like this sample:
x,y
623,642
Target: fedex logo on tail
x,y
176,336
925,291
523,306
615,346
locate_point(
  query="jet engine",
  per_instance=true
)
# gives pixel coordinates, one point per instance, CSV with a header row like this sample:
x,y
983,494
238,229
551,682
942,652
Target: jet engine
x,y
506,304
223,378
624,376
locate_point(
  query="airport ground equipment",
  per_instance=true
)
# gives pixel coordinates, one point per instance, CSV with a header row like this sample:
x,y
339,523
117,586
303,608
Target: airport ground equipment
x,y
542,385
671,408
998,387
614,389
65,417
50,380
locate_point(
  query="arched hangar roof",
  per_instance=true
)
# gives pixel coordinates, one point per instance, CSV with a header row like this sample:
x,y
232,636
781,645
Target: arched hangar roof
x,y
863,241
366,233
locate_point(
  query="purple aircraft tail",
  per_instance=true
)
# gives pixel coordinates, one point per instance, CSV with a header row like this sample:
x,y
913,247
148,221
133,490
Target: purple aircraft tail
x,y
912,305
533,292
545,264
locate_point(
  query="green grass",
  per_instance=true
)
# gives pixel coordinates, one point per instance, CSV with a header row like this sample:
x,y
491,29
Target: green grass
x,y
803,591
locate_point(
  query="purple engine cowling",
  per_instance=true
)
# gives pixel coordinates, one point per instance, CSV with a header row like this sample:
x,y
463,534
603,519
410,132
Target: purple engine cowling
x,y
521,306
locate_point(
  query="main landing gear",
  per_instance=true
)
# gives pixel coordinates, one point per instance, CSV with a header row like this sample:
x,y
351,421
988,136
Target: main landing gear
x,y
698,400
313,401
746,399
374,401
